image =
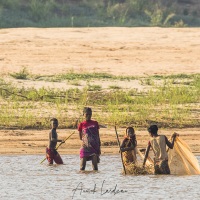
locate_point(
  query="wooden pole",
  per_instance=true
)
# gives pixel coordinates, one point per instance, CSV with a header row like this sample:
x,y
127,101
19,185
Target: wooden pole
x,y
120,149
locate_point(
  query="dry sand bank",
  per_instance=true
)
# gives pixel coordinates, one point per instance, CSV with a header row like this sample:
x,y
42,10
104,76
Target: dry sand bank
x,y
119,51
35,141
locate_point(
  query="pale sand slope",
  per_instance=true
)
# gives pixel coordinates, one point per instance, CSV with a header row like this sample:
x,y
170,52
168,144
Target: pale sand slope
x,y
119,51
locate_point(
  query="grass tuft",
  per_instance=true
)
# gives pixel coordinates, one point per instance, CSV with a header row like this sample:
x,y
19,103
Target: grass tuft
x,y
22,74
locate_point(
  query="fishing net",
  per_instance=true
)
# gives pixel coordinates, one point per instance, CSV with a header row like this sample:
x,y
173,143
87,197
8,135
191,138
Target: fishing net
x,y
137,168
181,159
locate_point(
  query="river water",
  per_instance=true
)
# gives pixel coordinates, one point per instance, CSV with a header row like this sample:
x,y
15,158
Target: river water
x,y
23,177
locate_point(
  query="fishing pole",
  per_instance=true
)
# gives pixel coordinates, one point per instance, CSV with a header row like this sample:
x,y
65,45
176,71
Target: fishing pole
x,y
120,149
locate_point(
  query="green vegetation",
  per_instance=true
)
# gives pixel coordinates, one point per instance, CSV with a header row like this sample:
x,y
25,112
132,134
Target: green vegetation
x,y
93,13
114,87
70,76
23,74
94,87
169,101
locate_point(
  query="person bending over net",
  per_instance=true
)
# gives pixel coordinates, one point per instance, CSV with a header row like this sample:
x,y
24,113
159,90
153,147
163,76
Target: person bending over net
x,y
158,143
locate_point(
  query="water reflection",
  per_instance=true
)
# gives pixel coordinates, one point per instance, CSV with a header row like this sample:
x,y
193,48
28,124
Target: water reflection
x,y
23,177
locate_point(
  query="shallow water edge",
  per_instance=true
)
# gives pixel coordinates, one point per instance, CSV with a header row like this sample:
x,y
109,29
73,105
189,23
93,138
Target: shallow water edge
x,y
23,177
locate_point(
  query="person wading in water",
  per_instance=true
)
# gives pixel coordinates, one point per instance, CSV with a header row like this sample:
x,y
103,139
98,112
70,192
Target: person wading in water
x,y
89,135
158,144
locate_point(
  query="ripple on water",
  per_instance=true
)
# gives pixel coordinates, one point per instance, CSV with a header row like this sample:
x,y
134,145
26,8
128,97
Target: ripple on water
x,y
23,177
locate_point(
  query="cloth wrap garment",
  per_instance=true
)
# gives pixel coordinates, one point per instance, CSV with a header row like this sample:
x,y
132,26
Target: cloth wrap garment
x,y
90,139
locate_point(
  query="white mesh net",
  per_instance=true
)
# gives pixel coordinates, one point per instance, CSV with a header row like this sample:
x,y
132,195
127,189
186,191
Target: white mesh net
x,y
181,159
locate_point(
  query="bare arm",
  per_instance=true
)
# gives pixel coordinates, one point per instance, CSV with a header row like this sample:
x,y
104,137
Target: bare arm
x,y
127,149
171,144
99,143
123,148
146,154
99,139
123,144
168,143
50,134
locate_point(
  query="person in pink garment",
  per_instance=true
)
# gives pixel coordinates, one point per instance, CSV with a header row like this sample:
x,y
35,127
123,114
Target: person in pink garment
x,y
89,135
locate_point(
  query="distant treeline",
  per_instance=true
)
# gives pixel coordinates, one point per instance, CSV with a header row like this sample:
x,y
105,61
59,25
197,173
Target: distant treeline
x,y
99,13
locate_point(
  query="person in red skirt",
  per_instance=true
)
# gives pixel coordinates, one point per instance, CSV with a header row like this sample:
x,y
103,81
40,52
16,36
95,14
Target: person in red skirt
x,y
91,144
51,154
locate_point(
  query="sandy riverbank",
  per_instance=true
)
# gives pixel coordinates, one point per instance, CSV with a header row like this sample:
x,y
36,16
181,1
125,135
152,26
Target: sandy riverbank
x,y
35,141
118,51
